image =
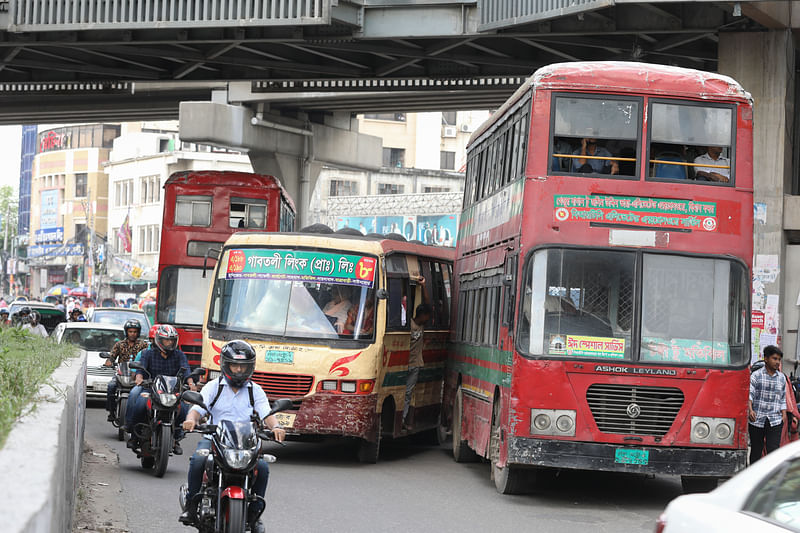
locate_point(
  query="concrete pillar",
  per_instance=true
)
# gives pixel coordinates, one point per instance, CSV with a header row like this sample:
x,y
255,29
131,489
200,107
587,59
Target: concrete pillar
x,y
764,64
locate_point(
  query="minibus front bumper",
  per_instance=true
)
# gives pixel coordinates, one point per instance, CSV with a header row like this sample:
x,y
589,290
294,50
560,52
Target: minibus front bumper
x,y
702,462
344,415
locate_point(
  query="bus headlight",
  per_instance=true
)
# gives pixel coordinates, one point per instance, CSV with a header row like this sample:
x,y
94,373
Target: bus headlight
x,y
710,430
348,386
558,422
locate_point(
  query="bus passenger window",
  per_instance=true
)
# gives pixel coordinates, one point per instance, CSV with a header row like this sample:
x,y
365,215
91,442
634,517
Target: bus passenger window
x,y
398,303
691,142
594,136
248,213
193,210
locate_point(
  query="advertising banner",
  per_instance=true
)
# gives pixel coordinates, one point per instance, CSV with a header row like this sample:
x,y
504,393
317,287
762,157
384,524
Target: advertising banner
x,y
55,250
49,235
584,346
635,211
300,265
437,230
49,213
685,351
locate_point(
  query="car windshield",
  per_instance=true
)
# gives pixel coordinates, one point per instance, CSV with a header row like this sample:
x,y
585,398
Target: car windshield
x,y
119,317
583,304
92,339
328,301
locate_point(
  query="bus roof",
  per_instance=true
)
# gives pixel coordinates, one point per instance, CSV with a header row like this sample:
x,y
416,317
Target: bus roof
x,y
229,178
624,77
361,243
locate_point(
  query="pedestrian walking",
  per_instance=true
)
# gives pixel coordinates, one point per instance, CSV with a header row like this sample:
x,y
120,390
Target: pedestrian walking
x,y
767,404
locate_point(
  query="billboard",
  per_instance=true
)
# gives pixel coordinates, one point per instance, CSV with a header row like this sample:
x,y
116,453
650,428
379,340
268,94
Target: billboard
x,y
437,230
49,214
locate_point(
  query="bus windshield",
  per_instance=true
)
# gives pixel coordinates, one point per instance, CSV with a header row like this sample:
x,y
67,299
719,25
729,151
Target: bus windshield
x,y
582,304
295,293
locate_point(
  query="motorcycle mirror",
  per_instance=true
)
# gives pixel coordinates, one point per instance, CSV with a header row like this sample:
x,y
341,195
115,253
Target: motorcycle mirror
x,y
194,398
105,355
382,294
136,364
281,405
197,373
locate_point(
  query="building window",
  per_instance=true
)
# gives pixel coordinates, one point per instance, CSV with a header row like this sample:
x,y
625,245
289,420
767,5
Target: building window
x,y
449,118
394,117
390,188
344,188
447,160
149,239
394,157
248,213
80,185
150,187
123,193
165,145
436,189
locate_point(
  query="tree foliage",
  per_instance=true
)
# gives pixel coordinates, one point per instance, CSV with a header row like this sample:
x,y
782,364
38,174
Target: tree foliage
x,y
9,205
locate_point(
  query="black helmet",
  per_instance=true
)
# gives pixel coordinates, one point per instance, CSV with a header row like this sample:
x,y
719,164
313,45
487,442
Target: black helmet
x,y
25,314
240,353
166,338
132,323
35,317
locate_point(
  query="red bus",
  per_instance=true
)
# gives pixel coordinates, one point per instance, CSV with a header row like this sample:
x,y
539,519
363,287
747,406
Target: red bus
x,y
601,282
201,210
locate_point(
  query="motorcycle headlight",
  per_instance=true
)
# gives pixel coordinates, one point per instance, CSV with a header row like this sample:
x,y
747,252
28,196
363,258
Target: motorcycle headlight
x,y
167,399
238,458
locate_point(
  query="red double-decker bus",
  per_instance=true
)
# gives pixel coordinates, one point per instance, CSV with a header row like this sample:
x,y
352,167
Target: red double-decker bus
x,y
201,210
602,277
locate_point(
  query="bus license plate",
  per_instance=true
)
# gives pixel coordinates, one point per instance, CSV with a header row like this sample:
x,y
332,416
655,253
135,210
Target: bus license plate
x,y
285,419
279,356
631,457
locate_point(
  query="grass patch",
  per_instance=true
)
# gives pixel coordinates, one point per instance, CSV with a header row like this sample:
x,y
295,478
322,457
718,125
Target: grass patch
x,y
26,362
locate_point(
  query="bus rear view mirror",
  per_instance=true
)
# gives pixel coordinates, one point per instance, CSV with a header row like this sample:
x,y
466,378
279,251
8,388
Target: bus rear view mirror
x,y
214,253
382,294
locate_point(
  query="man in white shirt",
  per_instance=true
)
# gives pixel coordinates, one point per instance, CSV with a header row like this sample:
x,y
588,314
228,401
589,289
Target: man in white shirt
x,y
713,156
34,326
233,396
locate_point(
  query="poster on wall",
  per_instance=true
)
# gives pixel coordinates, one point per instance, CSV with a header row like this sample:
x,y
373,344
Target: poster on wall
x,y
436,230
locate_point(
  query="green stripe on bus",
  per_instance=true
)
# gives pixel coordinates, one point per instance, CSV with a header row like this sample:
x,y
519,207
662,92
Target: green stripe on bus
x,y
482,353
396,379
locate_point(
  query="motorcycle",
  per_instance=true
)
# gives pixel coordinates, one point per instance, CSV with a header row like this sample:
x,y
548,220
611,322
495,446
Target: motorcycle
x,y
225,494
124,377
163,402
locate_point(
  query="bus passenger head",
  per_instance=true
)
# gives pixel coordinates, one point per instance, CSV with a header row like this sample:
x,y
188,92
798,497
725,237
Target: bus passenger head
x,y
422,314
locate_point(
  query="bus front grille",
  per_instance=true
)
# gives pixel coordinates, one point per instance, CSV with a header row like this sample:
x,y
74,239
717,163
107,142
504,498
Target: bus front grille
x,y
634,410
283,385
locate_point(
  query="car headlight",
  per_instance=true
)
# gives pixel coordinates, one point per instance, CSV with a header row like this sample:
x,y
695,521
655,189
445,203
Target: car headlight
x,y
238,458
167,399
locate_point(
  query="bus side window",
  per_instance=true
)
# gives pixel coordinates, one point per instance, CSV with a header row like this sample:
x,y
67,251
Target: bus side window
x,y
398,304
441,300
510,289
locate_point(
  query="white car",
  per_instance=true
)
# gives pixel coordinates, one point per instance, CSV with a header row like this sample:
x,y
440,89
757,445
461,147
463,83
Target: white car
x,y
764,497
93,338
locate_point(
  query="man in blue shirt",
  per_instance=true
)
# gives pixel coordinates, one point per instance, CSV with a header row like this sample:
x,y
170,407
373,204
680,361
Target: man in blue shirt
x,y
233,397
767,404
163,359
588,164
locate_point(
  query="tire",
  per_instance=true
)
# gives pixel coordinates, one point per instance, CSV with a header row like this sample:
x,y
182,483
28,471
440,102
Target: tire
x,y
148,462
508,479
162,451
691,484
462,453
123,404
368,451
235,516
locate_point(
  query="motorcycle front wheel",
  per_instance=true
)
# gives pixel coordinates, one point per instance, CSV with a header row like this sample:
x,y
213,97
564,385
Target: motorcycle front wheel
x,y
122,405
235,516
163,447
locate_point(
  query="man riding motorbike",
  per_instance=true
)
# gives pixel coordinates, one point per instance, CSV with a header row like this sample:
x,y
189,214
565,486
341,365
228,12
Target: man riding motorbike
x,y
123,351
164,359
4,321
233,396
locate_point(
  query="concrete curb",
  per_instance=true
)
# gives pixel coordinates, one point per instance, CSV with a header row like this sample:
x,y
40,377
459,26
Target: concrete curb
x,y
42,457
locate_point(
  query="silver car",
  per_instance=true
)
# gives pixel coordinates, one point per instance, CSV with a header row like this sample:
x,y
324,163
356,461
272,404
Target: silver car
x,y
93,338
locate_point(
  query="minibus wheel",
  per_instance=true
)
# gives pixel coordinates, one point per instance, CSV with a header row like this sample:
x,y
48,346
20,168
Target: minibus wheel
x,y
462,453
368,451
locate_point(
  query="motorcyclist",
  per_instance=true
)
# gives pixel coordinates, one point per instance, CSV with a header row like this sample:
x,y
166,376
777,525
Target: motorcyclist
x,y
21,317
75,313
123,351
233,396
33,325
4,320
164,359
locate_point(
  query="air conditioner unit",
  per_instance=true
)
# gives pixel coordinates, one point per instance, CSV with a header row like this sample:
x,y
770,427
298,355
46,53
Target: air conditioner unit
x,y
465,128
449,131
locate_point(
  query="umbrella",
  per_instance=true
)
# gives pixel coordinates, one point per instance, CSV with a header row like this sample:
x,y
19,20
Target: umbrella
x,y
149,293
58,290
79,291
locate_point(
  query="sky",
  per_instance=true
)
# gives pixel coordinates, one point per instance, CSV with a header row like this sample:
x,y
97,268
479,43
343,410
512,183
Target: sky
x,y
10,145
